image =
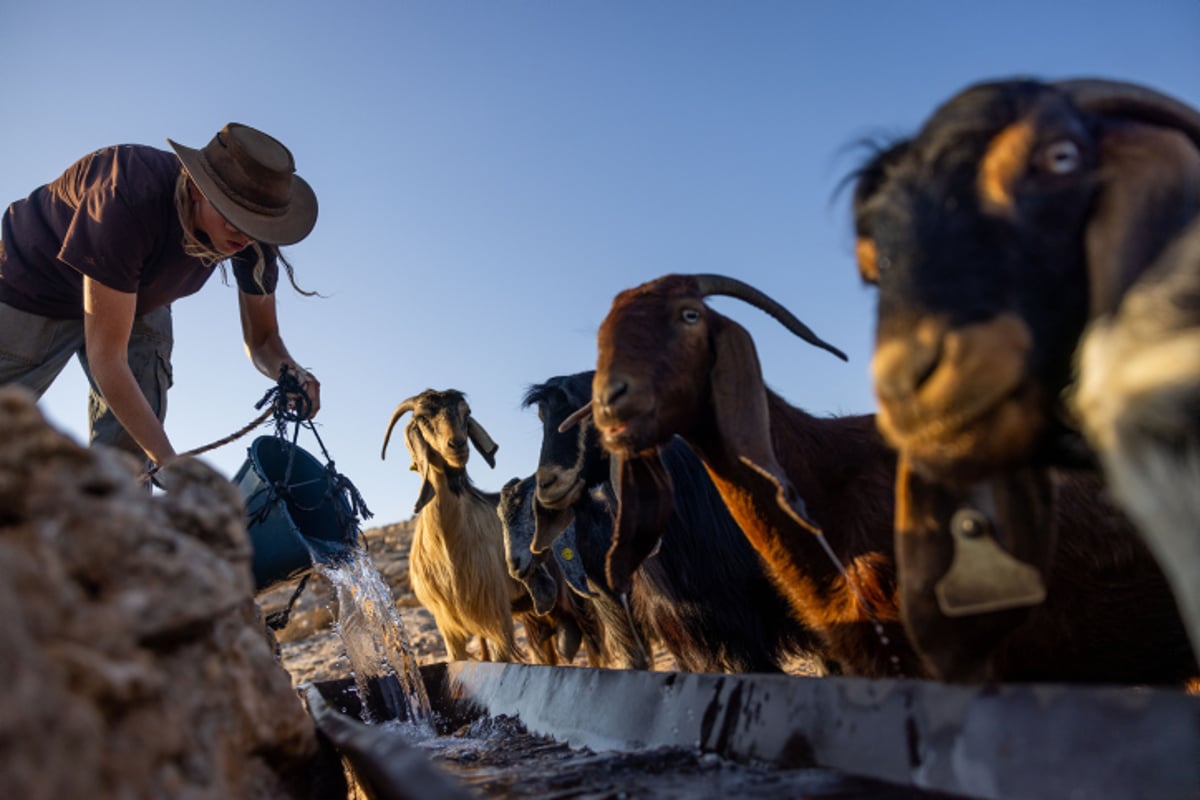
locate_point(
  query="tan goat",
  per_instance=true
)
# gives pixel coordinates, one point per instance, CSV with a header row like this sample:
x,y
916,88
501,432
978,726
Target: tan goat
x,y
456,564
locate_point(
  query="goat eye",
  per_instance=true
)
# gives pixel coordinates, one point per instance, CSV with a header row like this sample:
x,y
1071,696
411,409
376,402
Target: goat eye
x,y
690,315
1061,157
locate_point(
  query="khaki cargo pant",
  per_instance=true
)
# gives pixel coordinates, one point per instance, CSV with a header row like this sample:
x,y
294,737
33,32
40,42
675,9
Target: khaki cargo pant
x,y
34,350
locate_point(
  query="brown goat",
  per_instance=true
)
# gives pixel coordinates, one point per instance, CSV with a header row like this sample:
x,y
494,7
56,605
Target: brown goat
x,y
803,488
456,564
1021,216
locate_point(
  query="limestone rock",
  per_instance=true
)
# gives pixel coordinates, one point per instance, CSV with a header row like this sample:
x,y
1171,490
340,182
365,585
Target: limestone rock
x,y
135,659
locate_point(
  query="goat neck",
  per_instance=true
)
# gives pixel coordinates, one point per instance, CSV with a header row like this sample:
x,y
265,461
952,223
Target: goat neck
x,y
454,495
840,472
670,365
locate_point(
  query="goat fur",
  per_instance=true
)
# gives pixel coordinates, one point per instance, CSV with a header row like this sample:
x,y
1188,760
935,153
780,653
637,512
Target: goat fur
x,y
1138,401
704,593
1034,246
456,563
668,364
577,620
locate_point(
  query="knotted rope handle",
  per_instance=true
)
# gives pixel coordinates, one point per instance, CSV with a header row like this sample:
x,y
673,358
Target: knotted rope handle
x,y
287,384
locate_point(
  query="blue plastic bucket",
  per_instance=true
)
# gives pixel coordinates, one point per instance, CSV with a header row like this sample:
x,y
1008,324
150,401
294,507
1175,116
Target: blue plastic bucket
x,y
294,519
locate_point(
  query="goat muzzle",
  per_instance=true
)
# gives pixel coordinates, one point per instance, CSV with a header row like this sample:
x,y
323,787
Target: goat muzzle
x,y
558,488
958,401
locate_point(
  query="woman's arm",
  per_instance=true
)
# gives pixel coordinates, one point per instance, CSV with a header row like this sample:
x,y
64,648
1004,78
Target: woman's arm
x,y
260,331
107,320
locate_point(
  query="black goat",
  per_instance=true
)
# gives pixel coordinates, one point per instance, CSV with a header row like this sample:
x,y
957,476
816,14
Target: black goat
x,y
1023,219
704,594
557,585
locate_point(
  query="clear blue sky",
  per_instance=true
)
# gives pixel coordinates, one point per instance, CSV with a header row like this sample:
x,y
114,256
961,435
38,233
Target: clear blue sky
x,y
491,173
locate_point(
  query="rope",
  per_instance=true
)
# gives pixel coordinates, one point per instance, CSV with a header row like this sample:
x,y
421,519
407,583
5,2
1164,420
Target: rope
x,y
259,420
289,403
149,474
278,620
292,405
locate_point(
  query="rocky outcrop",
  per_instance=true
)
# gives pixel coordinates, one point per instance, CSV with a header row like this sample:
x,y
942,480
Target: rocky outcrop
x,y
133,659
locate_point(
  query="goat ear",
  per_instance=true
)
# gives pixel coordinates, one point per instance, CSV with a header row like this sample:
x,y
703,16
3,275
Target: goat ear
x,y
548,525
566,553
483,443
1149,176
645,500
422,454
739,400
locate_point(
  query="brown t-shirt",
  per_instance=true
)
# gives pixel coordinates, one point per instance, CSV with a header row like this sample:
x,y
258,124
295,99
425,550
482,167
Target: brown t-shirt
x,y
110,216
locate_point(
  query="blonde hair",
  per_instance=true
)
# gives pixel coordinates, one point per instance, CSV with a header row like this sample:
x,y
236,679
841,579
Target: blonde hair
x,y
192,246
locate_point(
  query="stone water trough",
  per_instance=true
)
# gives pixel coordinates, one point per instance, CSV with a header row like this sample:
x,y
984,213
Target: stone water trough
x,y
1024,742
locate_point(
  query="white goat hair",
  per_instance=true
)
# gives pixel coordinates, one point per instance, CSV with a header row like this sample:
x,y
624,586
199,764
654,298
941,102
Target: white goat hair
x,y
1138,401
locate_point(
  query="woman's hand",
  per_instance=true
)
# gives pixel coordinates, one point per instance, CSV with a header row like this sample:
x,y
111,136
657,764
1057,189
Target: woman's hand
x,y
312,390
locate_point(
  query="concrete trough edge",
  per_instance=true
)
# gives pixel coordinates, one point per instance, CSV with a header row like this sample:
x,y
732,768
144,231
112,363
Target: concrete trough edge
x,y
1018,741
383,764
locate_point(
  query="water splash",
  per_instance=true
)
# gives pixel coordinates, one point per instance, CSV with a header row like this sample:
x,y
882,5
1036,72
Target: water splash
x,y
385,671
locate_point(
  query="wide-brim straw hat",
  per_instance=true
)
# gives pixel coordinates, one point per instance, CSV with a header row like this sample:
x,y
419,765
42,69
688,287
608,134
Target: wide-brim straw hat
x,y
250,178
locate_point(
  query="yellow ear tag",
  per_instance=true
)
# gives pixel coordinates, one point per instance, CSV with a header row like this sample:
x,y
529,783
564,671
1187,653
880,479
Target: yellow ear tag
x,y
983,576
567,554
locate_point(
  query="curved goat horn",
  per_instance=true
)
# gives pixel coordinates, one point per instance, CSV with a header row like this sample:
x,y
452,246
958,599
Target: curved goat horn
x,y
732,287
1122,99
402,409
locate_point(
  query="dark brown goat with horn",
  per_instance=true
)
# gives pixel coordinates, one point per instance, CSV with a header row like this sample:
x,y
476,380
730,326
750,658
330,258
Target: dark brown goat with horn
x,y
1036,246
810,491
